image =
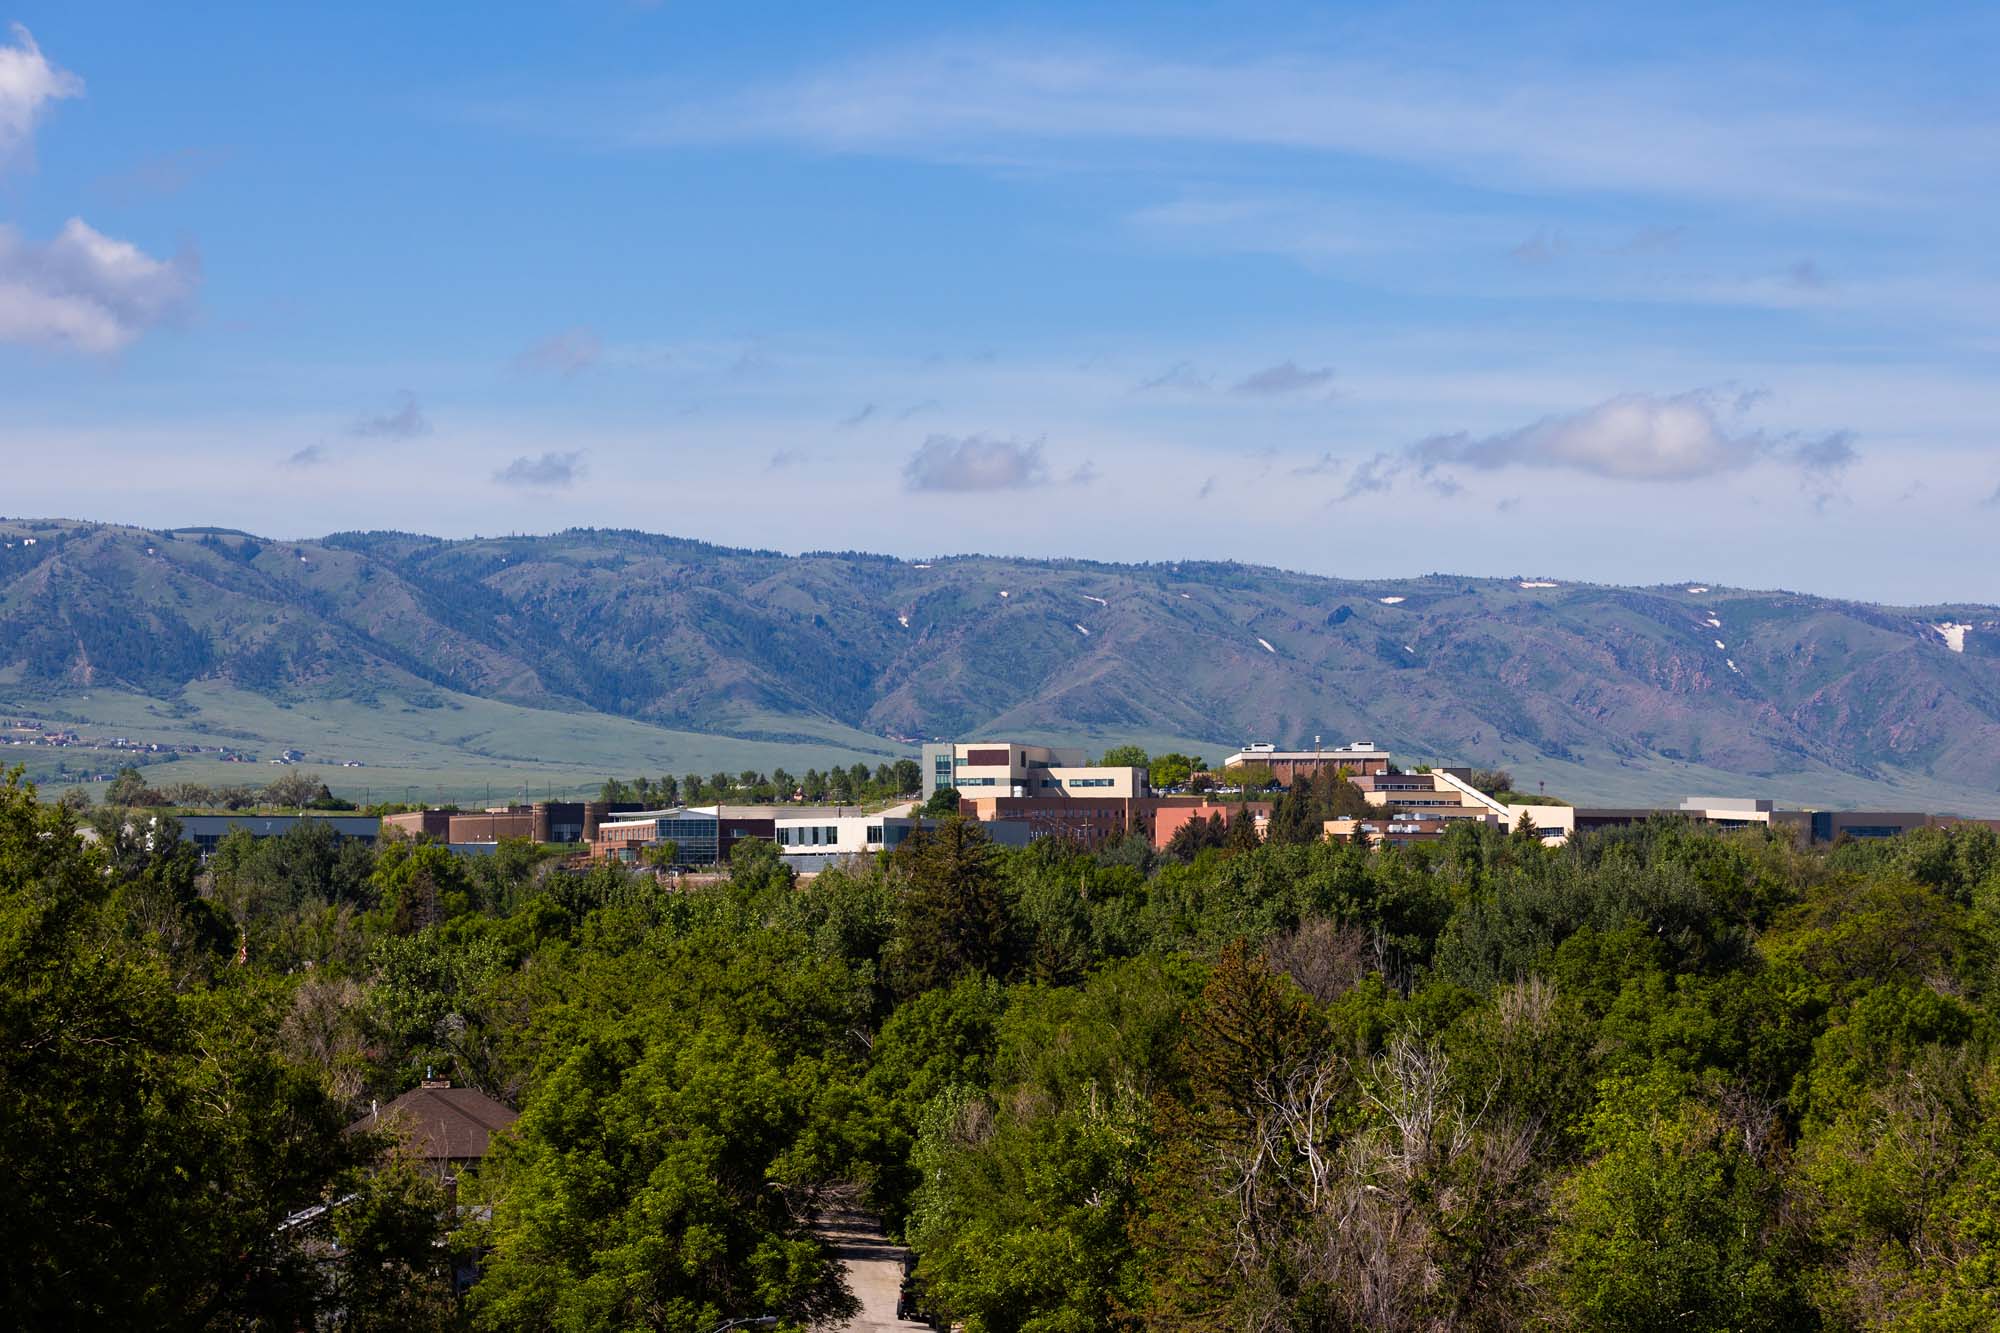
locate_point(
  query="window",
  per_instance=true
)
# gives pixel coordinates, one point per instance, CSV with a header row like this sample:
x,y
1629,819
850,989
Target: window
x,y
874,835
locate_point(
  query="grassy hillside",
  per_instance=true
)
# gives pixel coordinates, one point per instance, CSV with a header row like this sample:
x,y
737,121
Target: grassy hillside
x,y
556,659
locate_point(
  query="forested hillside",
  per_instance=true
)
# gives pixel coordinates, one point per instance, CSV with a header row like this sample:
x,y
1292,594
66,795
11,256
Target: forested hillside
x,y
1620,692
1662,1078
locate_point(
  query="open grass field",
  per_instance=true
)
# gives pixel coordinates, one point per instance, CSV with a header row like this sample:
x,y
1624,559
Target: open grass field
x,y
464,751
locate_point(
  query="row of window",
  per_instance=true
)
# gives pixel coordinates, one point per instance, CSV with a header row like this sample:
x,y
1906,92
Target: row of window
x,y
822,835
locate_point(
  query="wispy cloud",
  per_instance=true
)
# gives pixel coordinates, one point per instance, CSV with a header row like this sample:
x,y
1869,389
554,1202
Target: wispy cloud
x,y
28,83
160,176
1181,377
1702,131
88,292
975,463
856,417
1373,476
1323,466
407,422
566,353
310,456
551,471
1541,248
1806,275
1652,240
1283,378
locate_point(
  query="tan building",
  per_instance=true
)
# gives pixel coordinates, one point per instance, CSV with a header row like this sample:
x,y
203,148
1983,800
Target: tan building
x,y
1026,772
1556,823
1359,758
1444,792
1395,829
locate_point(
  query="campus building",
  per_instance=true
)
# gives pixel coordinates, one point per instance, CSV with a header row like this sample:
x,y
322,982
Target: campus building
x,y
1025,772
543,821
1166,818
206,831
1358,758
1809,827
1396,828
811,842
1039,790
701,835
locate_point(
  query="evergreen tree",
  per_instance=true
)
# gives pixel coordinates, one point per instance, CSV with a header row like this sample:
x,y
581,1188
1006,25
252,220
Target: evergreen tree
x,y
951,914
1241,834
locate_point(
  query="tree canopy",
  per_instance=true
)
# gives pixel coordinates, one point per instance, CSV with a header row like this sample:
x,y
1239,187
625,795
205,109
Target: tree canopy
x,y
1661,1077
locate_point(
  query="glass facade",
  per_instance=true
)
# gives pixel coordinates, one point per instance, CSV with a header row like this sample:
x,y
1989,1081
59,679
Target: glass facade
x,y
695,840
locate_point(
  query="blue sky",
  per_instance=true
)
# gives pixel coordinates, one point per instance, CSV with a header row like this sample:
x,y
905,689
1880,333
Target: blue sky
x,y
1589,292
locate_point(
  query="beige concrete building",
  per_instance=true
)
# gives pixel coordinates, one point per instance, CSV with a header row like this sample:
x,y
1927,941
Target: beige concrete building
x,y
1359,758
988,769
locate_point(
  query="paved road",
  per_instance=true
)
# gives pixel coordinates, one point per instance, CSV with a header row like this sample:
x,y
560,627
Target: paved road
x,y
874,1270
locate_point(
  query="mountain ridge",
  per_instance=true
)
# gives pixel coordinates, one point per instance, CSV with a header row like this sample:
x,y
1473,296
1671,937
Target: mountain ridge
x,y
1531,671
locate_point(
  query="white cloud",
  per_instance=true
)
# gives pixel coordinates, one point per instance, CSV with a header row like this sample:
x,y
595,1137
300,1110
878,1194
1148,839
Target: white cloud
x,y
28,83
83,291
1636,437
974,463
87,292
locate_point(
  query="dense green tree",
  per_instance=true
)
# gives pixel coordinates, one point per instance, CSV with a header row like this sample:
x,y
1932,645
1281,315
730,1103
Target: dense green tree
x,y
1676,1221
951,913
153,1138
131,788
1124,756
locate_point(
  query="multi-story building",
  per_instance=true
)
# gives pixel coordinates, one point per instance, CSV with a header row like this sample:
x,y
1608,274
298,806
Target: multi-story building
x,y
1443,793
1027,772
1359,758
1044,791
701,835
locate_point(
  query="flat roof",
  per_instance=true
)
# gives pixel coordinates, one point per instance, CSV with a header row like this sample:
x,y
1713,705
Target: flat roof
x,y
1342,752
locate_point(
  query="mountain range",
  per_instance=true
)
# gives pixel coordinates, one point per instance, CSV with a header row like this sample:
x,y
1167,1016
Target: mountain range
x,y
1599,692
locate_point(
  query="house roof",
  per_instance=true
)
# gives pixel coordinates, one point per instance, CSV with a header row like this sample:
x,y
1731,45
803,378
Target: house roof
x,y
440,1122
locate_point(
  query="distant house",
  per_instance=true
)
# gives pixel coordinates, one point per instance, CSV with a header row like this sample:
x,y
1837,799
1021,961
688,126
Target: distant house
x,y
445,1126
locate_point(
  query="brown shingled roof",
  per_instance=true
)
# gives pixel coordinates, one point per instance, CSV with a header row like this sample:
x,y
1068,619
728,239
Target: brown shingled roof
x,y
442,1123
